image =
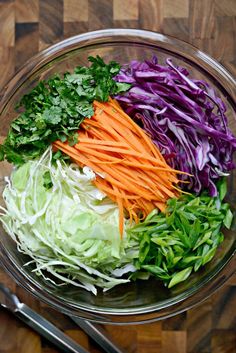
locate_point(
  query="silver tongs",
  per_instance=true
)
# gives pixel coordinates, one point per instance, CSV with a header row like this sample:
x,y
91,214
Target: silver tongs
x,y
11,302
98,334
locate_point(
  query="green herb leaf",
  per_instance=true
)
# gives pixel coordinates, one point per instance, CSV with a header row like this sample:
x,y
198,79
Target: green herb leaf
x,y
144,248
47,181
157,271
184,238
180,277
222,188
228,219
55,108
209,255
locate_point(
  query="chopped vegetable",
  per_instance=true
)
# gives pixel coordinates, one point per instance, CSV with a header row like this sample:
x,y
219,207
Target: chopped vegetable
x,y
70,230
186,237
130,169
185,119
118,212
54,109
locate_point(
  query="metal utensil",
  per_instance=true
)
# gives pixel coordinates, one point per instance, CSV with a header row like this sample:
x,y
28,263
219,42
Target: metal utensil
x,y
10,301
98,334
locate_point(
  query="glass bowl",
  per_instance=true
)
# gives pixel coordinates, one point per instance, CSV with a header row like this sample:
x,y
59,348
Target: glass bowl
x,y
141,301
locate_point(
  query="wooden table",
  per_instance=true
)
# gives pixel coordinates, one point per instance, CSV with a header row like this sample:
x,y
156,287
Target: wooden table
x,y
27,26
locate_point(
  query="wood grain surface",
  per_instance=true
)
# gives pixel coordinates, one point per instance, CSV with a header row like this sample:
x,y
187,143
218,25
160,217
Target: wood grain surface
x,y
27,26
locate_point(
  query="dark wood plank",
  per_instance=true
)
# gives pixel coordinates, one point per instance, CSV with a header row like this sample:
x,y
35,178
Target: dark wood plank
x,y
26,33
50,22
100,14
199,326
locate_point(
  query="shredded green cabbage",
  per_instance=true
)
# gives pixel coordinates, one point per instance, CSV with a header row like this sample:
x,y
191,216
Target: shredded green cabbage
x,y
70,229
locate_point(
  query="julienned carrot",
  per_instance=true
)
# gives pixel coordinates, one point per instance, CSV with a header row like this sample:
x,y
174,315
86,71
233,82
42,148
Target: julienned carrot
x,y
116,149
141,132
129,167
105,143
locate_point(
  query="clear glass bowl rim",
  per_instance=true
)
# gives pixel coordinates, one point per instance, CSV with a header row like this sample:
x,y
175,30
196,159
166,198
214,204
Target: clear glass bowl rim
x,y
169,44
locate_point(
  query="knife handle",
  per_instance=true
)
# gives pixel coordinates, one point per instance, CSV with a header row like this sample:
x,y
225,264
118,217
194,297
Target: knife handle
x,y
47,330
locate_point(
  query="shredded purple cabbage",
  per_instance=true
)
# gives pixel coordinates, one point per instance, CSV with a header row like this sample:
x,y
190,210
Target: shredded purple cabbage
x,y
184,117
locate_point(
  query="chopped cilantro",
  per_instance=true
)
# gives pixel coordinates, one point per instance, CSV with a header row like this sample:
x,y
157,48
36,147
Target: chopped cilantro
x,y
55,108
47,181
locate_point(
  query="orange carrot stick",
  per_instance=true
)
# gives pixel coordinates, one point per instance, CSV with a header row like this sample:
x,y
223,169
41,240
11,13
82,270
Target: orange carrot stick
x,y
129,167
